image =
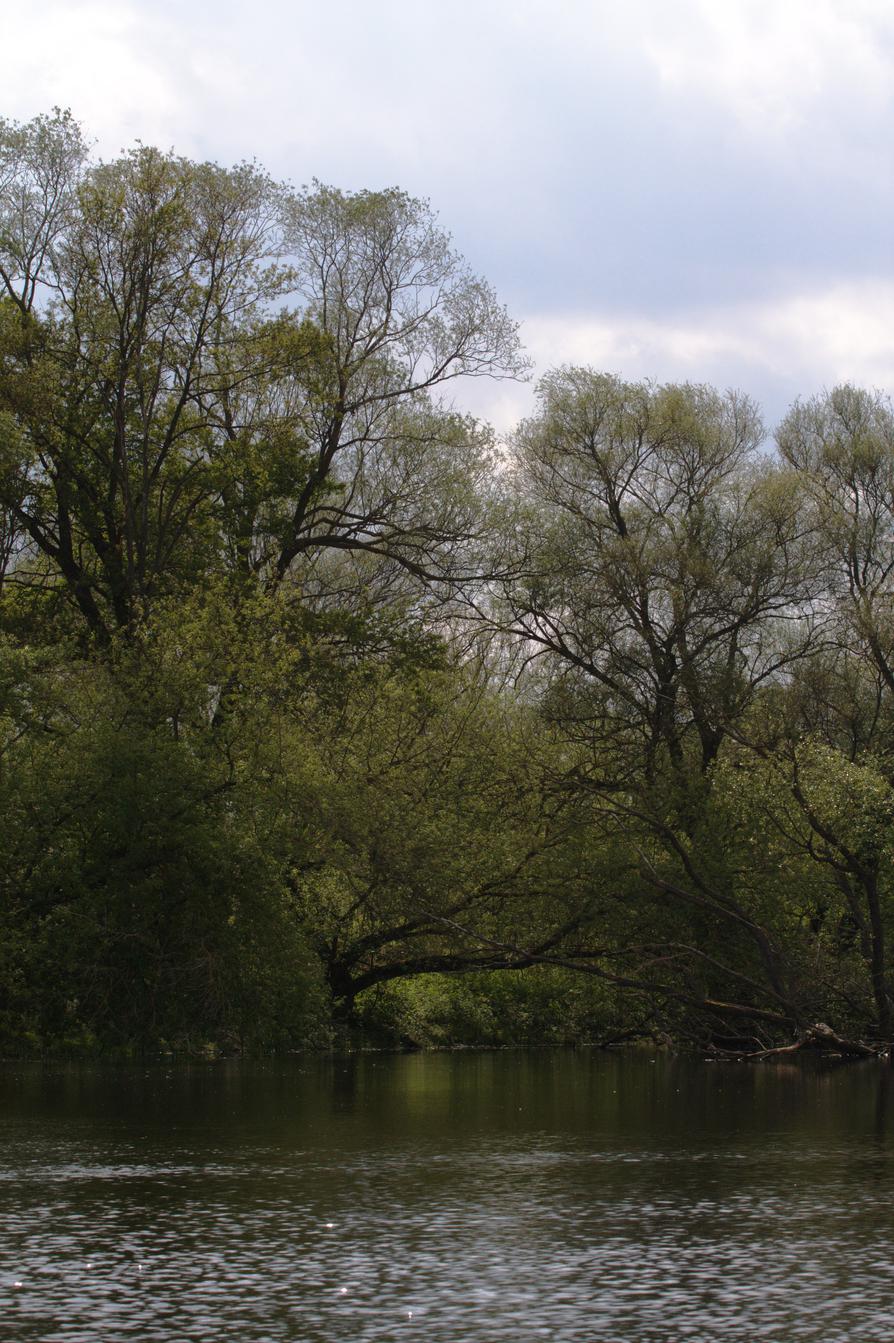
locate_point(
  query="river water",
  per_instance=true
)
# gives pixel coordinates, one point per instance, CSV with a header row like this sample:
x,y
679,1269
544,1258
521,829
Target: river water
x,y
448,1198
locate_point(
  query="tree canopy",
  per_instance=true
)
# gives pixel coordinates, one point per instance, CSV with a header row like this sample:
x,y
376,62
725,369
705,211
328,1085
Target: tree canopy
x,y
316,697
201,369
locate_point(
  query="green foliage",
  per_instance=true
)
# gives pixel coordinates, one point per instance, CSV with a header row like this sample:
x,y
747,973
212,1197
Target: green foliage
x,y
202,371
535,1007
142,903
318,706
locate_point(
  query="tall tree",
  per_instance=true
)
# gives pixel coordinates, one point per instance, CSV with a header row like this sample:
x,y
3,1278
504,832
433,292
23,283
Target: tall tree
x,y
842,447
666,585
199,367
663,560
118,306
392,473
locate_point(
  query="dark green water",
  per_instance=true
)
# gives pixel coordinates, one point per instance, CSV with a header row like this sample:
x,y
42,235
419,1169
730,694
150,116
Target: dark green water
x,y
448,1198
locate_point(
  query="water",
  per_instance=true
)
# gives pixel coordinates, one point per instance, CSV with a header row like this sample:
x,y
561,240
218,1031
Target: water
x,y
472,1198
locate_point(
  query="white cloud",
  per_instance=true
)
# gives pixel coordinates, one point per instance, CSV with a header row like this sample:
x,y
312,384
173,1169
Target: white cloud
x,y
774,64
398,87
574,144
398,72
773,350
112,64
843,332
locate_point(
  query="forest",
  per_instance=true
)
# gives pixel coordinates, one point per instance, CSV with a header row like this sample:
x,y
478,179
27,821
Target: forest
x,y
328,716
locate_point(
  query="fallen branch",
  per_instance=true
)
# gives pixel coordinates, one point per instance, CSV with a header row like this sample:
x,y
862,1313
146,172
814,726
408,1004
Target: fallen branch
x,y
821,1037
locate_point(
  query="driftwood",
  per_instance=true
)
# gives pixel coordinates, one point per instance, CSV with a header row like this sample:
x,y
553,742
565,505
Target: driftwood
x,y
821,1037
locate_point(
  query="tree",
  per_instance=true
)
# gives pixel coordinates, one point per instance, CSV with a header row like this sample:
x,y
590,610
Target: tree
x,y
199,367
842,447
427,844
152,266
142,891
663,565
666,585
835,752
812,831
403,316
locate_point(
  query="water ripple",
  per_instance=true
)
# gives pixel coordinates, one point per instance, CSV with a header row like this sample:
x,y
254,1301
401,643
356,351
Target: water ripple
x,y
234,1215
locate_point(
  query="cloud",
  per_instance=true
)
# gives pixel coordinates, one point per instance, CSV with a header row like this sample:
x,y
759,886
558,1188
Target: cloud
x,y
512,76
774,65
114,65
670,188
773,350
843,332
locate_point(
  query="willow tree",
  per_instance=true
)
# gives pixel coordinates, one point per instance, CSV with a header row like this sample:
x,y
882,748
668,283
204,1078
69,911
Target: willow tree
x,y
666,585
664,566
842,447
203,370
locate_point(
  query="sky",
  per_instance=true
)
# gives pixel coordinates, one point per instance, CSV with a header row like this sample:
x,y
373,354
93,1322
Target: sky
x,y
682,190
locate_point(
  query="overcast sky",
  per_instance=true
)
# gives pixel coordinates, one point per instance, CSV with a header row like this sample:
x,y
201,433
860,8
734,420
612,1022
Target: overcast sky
x,y
675,189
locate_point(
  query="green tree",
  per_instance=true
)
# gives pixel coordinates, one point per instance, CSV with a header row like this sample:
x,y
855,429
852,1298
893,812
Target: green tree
x,y
143,898
661,550
427,842
812,834
842,447
665,587
201,368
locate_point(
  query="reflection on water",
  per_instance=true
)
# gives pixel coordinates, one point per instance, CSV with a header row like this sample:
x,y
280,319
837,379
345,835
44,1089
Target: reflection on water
x,y
473,1198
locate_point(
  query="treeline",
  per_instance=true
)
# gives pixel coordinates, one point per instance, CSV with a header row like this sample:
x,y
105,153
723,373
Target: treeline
x,y
318,706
